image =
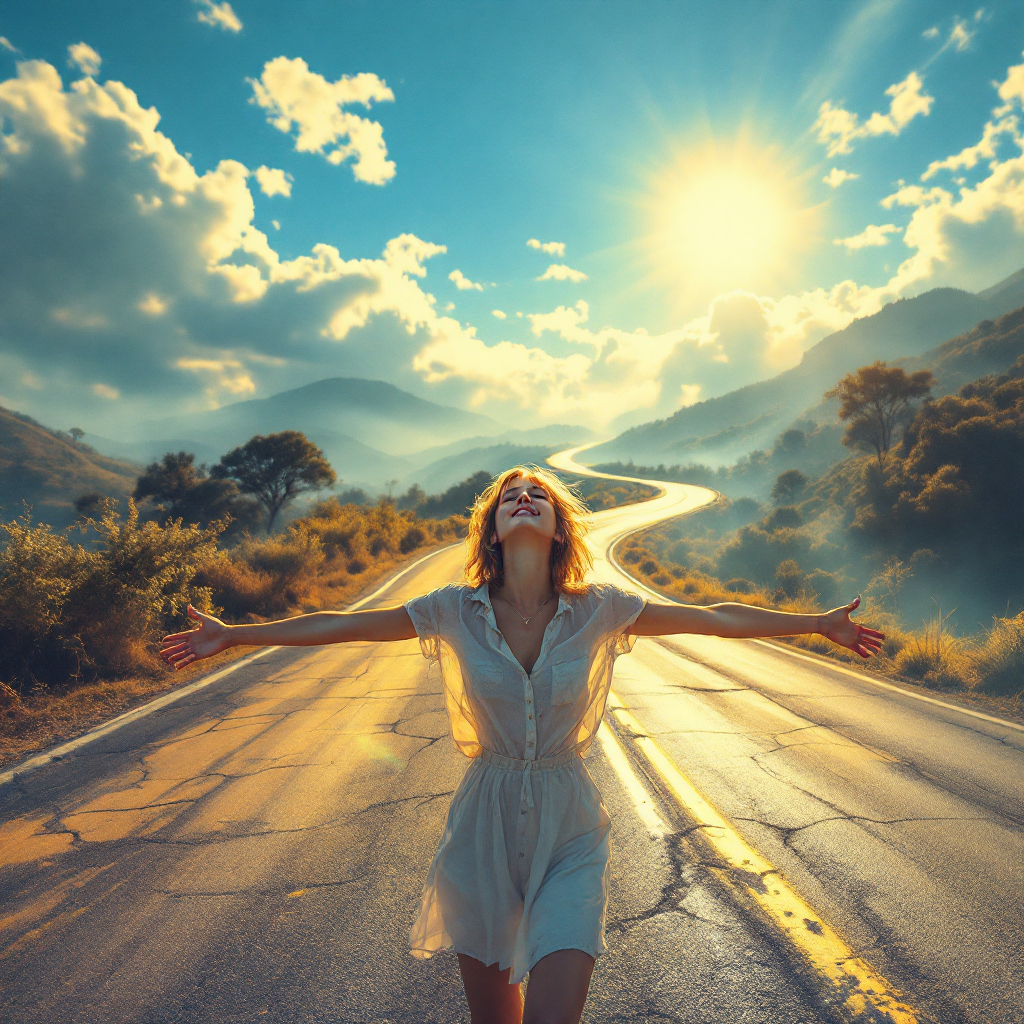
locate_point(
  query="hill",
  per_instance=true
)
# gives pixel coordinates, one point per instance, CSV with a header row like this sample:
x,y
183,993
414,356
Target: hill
x,y
721,429
49,471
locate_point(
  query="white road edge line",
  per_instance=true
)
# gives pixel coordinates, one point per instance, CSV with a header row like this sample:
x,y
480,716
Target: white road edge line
x,y
58,753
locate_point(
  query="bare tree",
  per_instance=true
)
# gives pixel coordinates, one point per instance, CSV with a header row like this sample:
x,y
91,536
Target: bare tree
x,y
875,401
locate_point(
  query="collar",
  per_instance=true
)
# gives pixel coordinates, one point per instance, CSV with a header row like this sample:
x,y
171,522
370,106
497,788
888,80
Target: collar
x,y
482,595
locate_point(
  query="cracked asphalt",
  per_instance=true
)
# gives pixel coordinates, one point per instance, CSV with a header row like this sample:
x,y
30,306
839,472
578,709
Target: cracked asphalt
x,y
256,850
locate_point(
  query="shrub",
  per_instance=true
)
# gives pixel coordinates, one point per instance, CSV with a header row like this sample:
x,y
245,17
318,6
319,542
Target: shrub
x,y
70,612
935,657
414,538
1000,657
648,566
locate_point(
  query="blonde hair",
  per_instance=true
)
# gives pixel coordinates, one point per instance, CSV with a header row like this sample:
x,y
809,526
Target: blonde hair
x,y
571,559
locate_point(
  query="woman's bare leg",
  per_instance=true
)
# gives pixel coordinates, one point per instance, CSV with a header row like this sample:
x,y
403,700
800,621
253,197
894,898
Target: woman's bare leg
x,y
558,987
492,1000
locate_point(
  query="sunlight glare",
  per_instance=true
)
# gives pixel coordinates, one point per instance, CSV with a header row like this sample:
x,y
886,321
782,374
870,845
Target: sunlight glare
x,y
720,220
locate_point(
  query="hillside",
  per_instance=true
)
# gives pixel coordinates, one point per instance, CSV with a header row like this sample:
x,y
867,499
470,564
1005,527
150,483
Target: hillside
x,y
493,459
721,429
49,471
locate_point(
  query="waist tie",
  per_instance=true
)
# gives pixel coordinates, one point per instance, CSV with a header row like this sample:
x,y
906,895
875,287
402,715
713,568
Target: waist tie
x,y
538,764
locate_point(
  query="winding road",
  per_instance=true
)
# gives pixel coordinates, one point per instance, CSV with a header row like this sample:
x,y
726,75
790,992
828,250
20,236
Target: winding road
x,y
793,841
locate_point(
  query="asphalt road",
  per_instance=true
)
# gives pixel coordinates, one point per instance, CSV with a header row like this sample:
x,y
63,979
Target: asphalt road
x,y
255,851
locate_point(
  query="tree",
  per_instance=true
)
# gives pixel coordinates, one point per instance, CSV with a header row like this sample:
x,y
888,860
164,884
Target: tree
x,y
91,505
182,490
77,433
877,399
169,481
275,468
788,487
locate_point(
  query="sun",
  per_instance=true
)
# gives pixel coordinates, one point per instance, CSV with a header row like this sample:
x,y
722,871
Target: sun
x,y
720,220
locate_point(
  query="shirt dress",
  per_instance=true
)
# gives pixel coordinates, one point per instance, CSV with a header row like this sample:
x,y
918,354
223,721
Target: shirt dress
x,y
522,867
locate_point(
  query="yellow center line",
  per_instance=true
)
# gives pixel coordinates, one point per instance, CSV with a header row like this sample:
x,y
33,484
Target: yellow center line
x,y
857,988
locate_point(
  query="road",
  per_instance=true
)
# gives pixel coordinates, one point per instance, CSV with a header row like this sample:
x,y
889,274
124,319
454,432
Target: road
x,y
255,850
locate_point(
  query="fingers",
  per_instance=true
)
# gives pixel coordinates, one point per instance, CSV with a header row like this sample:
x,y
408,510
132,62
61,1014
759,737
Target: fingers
x,y
855,603
867,631
193,614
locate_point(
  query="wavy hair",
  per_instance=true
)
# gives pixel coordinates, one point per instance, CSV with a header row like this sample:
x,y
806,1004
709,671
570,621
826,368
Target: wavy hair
x,y
571,559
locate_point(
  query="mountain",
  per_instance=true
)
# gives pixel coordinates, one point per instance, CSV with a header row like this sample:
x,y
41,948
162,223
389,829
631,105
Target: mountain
x,y
372,412
721,429
366,428
48,471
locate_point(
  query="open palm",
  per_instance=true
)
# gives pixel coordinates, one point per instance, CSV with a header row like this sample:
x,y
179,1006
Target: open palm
x,y
181,649
837,627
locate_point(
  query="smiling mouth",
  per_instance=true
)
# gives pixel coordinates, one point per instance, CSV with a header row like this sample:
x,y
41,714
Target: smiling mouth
x,y
524,511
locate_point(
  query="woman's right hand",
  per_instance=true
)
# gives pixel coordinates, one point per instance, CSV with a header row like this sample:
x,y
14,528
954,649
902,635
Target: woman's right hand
x,y
210,638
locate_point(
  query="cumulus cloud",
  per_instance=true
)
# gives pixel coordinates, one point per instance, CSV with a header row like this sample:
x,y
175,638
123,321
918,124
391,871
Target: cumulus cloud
x,y
273,182
973,236
873,234
836,177
501,315
106,392
463,283
560,272
295,97
123,264
85,58
837,128
220,15
555,248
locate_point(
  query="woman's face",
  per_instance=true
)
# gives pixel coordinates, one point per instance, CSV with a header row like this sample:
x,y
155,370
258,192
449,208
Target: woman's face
x,y
524,506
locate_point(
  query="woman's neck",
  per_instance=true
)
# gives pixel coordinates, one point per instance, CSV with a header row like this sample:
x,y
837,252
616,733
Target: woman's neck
x,y
527,576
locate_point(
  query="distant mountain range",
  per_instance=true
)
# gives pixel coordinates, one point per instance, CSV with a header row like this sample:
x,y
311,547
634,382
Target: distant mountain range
x,y
371,432
721,429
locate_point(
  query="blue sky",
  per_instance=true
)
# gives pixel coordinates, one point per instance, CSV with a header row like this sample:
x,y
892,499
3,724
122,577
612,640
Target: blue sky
x,y
674,152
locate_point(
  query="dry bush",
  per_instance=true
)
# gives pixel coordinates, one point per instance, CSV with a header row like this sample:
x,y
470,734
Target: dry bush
x,y
935,657
999,658
68,612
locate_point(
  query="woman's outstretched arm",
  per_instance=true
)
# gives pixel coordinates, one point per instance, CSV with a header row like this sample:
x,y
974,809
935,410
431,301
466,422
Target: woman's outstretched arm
x,y
213,636
744,620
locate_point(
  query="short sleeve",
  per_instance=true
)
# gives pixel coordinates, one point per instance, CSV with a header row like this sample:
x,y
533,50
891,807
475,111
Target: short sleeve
x,y
620,610
427,614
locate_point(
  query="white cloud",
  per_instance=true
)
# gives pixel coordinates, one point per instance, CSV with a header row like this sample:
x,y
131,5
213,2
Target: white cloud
x,y
220,15
837,128
85,58
463,283
499,314
873,234
836,177
960,37
560,272
6,44
974,236
555,248
931,33
152,305
276,224
273,182
106,392
295,97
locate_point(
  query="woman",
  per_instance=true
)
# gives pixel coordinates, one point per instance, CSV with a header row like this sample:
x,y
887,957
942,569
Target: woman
x,y
520,881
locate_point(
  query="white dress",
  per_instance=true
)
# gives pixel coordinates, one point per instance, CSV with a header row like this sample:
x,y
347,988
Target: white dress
x,y
522,868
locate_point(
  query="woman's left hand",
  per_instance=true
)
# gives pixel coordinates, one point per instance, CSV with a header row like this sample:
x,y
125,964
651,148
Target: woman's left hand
x,y
837,627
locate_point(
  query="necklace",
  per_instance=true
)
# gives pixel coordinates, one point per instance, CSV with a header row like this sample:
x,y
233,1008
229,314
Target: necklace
x,y
526,621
